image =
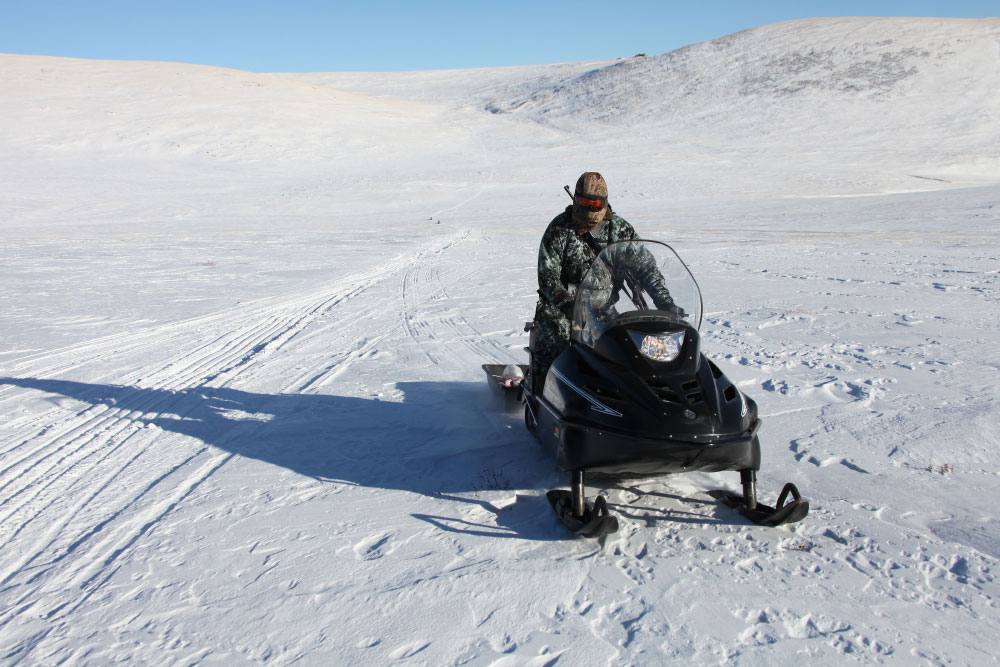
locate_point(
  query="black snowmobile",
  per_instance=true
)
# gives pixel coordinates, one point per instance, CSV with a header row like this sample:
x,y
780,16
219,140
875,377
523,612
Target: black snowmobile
x,y
634,396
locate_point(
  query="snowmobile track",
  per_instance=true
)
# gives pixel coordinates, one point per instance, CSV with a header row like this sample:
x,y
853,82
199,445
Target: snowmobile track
x,y
85,488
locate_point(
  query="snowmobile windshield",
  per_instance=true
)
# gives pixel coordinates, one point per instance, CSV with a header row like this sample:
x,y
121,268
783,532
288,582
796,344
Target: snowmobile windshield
x,y
635,281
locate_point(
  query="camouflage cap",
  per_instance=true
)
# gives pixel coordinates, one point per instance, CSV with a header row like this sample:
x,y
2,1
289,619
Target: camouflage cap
x,y
593,184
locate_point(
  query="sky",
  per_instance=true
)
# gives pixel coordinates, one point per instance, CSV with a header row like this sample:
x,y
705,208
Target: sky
x,y
317,36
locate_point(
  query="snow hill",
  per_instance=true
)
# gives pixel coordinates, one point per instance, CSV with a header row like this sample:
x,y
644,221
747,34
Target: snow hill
x,y
243,417
920,85
792,77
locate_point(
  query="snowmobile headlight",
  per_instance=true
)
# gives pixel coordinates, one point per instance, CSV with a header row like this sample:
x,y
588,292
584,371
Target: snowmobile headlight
x,y
659,347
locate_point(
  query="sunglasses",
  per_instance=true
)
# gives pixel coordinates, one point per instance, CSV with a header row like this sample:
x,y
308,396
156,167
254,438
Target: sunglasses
x,y
595,204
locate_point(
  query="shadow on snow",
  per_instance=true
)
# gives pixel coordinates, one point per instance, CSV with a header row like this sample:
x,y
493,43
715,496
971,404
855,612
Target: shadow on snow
x,y
443,439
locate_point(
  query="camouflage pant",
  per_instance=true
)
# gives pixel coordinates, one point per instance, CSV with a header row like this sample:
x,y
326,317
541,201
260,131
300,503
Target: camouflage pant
x,y
552,337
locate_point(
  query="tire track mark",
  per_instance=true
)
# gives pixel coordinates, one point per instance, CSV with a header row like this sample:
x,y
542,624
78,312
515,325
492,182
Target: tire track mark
x,y
105,446
430,319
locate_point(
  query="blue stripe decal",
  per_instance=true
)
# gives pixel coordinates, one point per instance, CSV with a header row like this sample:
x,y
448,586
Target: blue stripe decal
x,y
595,404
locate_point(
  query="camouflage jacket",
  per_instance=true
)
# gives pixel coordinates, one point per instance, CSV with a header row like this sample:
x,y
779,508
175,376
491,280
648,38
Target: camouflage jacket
x,y
564,257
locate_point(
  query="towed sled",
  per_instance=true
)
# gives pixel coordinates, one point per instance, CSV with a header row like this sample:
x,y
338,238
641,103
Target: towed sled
x,y
633,395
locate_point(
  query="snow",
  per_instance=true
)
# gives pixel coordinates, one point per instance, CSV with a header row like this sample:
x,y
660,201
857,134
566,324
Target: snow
x,y
243,416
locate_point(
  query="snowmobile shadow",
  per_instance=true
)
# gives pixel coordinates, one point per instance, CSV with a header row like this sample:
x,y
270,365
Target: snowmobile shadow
x,y
442,439
679,509
527,518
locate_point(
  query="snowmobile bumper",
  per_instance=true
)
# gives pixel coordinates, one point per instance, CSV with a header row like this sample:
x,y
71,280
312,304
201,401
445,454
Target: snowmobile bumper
x,y
583,447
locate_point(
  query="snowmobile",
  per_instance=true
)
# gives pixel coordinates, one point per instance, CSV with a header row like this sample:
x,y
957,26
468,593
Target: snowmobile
x,y
633,395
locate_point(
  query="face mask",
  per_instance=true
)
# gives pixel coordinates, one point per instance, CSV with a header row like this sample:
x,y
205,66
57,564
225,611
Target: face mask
x,y
586,219
598,231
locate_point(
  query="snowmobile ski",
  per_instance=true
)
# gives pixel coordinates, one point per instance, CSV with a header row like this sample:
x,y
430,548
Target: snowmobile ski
x,y
595,521
795,509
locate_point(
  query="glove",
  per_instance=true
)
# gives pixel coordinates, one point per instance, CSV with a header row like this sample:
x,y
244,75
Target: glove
x,y
674,309
564,302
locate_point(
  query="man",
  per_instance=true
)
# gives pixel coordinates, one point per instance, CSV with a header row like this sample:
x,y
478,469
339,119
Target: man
x,y
569,245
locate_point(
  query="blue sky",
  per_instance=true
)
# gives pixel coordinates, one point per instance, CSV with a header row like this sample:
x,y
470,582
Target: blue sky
x,y
310,35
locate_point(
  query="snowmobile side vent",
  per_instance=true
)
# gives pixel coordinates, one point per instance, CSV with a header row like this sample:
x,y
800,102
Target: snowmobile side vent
x,y
666,395
694,389
663,390
730,393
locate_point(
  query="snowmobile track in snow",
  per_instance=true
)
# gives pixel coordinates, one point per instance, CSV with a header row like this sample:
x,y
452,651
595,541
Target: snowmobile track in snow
x,y
432,320
81,488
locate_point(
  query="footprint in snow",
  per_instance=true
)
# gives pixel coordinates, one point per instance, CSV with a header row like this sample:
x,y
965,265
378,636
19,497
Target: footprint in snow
x,y
409,649
372,547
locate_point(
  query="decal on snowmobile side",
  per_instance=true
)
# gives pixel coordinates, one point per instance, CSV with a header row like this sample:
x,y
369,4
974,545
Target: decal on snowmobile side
x,y
595,404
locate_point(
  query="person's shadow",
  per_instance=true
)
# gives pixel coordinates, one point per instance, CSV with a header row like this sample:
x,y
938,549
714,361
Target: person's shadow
x,y
444,438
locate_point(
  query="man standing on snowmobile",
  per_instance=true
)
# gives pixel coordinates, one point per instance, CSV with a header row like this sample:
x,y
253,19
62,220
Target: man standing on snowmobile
x,y
569,245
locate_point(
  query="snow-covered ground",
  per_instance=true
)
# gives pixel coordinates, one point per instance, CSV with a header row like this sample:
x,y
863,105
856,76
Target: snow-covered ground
x,y
243,318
